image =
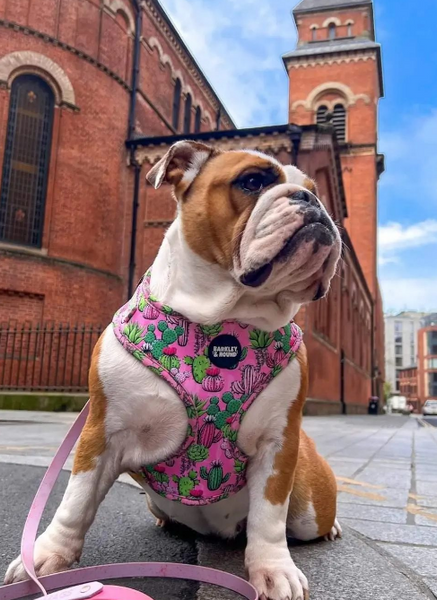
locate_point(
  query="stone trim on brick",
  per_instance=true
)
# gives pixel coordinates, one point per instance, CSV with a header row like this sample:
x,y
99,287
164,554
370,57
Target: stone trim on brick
x,y
191,67
25,61
330,87
330,20
164,58
115,6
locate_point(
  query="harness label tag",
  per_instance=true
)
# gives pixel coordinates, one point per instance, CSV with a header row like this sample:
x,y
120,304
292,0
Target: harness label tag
x,y
225,351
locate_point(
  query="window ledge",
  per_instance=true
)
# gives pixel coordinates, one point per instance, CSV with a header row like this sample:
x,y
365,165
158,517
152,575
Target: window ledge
x,y
23,249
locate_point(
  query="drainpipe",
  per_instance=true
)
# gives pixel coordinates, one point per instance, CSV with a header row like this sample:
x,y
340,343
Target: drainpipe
x,y
295,137
133,239
130,135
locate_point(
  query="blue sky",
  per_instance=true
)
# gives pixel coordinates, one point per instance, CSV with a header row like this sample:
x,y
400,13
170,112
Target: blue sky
x,y
239,47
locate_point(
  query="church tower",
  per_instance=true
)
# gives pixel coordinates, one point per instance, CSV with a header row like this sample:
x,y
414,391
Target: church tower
x,y
336,78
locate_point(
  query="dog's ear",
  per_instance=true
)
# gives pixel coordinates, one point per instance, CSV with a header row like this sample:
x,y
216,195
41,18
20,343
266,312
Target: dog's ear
x,y
181,164
311,185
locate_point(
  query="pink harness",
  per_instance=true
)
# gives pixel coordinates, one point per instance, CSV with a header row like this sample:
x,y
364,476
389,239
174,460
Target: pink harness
x,y
218,371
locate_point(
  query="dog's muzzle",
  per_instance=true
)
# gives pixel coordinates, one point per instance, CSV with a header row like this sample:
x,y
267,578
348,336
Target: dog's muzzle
x,y
309,224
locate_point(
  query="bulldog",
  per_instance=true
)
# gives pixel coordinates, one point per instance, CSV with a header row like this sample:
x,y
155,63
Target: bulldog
x,y
198,385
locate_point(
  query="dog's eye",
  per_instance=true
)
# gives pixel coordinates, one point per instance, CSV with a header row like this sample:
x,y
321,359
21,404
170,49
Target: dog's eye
x,y
252,183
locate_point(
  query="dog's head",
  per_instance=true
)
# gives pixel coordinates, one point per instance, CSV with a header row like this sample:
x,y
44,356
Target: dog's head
x,y
259,220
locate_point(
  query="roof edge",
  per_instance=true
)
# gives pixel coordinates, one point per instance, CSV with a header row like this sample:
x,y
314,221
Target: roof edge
x,y
344,4
178,36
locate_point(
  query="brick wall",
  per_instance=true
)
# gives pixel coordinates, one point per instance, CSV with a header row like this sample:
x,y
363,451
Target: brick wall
x,y
82,268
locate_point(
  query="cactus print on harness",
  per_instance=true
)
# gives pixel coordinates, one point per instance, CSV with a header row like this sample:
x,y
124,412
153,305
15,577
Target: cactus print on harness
x,y
209,465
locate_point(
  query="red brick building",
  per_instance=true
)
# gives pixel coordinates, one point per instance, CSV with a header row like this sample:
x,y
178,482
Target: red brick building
x,y
78,225
67,73
427,364
408,386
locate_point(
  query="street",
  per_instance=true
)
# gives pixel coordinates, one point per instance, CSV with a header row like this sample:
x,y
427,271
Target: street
x,y
386,467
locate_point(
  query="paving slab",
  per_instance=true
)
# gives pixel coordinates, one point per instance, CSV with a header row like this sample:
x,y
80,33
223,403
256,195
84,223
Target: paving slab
x,y
421,560
371,513
391,532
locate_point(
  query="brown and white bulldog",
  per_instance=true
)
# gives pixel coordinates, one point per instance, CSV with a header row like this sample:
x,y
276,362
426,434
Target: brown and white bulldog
x,y
250,242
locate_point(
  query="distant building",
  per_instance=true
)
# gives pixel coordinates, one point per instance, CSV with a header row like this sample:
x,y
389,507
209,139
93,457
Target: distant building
x,y
427,363
408,386
401,344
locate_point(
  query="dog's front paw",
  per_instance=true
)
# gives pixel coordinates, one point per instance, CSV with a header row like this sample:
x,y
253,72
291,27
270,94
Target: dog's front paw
x,y
48,560
276,577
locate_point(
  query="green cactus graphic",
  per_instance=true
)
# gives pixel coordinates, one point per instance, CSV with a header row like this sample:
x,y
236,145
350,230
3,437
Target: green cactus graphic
x,y
186,484
239,466
197,409
214,476
213,409
259,339
220,419
284,338
134,333
211,330
142,303
157,475
199,364
168,336
169,361
197,453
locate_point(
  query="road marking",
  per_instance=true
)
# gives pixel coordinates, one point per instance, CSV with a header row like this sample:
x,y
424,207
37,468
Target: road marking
x,y
425,423
361,494
419,510
360,483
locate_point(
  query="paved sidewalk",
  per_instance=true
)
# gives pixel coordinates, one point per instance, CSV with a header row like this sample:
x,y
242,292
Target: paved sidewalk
x,y
387,475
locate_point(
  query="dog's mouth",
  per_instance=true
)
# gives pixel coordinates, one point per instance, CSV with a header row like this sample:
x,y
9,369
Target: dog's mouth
x,y
317,232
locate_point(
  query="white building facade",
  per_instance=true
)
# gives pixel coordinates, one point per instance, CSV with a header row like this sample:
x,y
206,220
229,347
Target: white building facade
x,y
401,344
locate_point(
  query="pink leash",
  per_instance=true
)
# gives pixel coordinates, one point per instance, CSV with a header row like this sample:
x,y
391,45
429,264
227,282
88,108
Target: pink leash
x,y
84,579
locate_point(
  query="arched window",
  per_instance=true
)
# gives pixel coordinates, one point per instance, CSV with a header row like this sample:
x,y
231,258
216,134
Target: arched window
x,y
322,112
198,120
313,34
349,29
187,114
26,161
339,122
332,31
176,103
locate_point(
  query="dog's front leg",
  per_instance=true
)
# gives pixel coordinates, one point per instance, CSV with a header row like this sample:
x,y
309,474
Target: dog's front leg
x,y
60,545
268,561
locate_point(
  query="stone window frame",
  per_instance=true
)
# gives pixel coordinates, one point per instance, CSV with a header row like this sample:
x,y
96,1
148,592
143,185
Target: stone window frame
x,y
313,28
27,62
24,62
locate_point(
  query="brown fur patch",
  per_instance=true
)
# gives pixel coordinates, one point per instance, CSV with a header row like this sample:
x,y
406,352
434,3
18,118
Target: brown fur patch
x,y
311,185
314,480
92,441
214,211
300,469
281,482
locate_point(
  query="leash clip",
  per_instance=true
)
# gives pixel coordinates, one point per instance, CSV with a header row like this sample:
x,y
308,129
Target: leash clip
x,y
78,592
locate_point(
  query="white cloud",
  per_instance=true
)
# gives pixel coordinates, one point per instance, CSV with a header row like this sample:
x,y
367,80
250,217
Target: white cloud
x,y
409,294
239,47
395,236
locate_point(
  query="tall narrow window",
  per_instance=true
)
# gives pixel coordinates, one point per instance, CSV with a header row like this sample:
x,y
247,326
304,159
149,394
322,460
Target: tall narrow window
x,y
26,161
198,120
187,114
322,112
339,122
176,103
349,29
332,31
313,34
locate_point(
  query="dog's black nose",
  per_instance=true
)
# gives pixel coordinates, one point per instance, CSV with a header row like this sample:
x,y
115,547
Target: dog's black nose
x,y
303,197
